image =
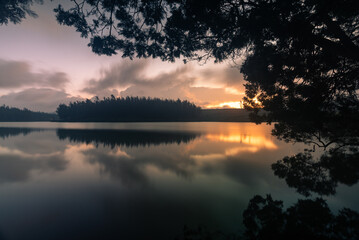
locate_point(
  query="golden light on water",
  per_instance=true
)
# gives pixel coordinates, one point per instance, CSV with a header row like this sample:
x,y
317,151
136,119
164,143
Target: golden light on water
x,y
254,141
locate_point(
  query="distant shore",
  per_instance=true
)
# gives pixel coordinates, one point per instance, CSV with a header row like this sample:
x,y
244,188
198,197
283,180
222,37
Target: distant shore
x,y
206,115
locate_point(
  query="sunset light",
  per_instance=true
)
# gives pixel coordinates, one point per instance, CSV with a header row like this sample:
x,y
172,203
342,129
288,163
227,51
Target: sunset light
x,y
221,119
237,105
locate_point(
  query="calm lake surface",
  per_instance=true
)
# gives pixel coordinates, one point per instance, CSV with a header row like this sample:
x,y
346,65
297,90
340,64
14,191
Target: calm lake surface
x,y
138,180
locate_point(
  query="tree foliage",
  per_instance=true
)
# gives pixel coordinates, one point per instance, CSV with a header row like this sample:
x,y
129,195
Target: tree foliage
x,y
16,10
128,109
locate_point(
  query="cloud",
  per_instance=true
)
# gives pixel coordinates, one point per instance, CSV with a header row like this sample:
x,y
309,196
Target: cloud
x,y
130,78
37,99
229,77
15,74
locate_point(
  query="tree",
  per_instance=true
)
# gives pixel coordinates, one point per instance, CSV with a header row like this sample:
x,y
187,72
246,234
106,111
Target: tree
x,y
128,109
16,10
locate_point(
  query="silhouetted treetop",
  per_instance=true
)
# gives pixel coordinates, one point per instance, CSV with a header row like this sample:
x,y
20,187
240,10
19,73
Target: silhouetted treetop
x,y
16,10
176,28
128,109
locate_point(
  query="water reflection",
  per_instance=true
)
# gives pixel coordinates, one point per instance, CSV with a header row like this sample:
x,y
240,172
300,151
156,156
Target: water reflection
x,y
17,164
255,143
265,218
103,184
10,132
310,175
332,158
128,138
17,167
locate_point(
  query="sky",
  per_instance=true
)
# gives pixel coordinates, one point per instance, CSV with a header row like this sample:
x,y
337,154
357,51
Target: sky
x,y
43,64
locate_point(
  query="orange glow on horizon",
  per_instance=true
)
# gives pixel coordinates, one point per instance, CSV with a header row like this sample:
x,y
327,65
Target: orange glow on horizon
x,y
236,105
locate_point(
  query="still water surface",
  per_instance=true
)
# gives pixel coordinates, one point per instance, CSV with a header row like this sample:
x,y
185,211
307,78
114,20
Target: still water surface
x,y
138,180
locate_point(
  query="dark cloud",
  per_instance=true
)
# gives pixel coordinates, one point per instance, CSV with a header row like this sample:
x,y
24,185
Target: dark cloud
x,y
37,99
15,74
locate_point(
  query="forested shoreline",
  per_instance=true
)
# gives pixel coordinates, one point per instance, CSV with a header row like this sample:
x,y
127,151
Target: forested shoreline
x,y
129,109
12,114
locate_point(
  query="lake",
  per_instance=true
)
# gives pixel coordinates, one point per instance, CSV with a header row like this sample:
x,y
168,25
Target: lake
x,y
139,180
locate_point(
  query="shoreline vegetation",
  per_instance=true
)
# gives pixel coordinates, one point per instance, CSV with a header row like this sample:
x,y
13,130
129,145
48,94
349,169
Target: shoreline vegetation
x,y
129,109
136,109
12,114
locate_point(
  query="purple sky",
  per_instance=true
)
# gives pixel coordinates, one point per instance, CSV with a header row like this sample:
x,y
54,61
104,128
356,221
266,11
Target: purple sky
x,y
43,64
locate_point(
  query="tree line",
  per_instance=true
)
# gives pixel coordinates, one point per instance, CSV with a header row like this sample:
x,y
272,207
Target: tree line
x,y
8,114
128,109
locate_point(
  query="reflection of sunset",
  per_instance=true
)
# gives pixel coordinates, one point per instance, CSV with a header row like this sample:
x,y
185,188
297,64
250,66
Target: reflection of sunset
x,y
254,141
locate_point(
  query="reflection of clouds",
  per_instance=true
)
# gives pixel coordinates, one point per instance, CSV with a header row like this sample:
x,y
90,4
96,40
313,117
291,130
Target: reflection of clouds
x,y
132,166
134,157
136,166
119,167
31,141
237,150
119,153
17,166
208,157
24,151
254,141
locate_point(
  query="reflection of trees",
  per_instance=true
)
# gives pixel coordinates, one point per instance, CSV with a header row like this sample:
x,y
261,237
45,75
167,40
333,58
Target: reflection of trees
x,y
307,219
265,219
322,175
11,132
128,138
335,138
